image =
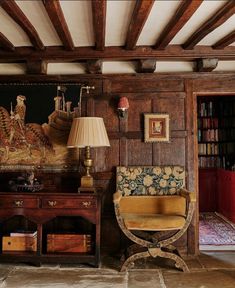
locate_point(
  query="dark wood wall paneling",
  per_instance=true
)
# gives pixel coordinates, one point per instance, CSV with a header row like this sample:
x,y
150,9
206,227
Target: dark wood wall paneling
x,y
164,93
145,95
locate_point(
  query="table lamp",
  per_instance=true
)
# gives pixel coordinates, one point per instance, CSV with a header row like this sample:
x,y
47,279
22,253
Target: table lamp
x,y
87,132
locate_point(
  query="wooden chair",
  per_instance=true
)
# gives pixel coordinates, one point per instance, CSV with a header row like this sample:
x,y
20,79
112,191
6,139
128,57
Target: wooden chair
x,y
153,210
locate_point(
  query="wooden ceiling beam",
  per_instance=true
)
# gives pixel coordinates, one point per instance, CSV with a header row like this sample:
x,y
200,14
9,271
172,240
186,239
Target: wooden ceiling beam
x,y
181,17
94,66
36,67
13,10
206,65
99,21
211,24
224,42
172,53
138,19
5,43
146,65
56,15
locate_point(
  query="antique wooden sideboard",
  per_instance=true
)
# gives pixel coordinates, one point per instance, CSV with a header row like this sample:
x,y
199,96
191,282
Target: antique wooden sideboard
x,y
47,213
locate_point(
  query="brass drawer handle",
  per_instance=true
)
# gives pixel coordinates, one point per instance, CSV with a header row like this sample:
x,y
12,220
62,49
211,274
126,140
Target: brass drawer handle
x,y
19,203
52,203
86,204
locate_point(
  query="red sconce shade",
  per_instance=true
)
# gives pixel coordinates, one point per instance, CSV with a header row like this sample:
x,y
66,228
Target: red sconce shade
x,y
123,106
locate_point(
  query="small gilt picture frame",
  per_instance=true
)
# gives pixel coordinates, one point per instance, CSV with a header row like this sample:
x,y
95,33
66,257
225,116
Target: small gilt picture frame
x,y
156,127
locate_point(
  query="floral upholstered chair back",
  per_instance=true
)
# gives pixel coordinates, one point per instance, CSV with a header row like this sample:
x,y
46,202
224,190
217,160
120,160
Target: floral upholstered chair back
x,y
150,180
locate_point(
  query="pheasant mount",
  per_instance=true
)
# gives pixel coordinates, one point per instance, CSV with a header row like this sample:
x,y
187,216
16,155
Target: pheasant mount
x,y
35,121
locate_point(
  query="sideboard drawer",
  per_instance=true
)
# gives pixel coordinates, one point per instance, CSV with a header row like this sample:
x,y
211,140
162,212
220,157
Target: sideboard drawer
x,y
19,202
68,203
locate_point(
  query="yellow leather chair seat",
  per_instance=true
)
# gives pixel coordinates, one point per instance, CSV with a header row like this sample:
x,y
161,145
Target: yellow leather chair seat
x,y
152,222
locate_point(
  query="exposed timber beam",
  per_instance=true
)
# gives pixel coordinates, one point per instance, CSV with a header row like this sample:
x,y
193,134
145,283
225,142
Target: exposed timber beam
x,y
227,40
138,19
172,52
99,20
19,17
146,65
206,65
56,15
181,17
94,66
215,21
5,43
36,67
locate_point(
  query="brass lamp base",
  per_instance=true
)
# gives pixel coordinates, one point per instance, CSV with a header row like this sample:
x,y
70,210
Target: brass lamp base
x,y
87,181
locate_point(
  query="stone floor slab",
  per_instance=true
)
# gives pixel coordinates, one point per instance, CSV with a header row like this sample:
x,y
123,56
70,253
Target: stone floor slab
x,y
143,279
62,278
215,260
202,279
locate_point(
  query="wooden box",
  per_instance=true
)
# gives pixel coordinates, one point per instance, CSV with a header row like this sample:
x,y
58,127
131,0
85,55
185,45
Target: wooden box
x,y
19,243
69,243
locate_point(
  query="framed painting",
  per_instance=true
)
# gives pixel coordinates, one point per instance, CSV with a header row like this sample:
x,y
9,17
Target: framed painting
x,y
156,127
35,121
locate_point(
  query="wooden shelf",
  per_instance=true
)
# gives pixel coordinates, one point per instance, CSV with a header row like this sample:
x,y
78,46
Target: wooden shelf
x,y
40,209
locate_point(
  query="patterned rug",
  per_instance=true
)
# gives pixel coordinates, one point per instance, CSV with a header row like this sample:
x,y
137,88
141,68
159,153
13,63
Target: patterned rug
x,y
215,230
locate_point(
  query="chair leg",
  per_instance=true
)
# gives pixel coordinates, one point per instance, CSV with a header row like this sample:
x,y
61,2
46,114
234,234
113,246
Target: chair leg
x,y
152,252
131,259
179,262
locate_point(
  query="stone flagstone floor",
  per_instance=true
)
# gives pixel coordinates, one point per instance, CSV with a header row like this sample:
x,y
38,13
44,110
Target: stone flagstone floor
x,y
209,270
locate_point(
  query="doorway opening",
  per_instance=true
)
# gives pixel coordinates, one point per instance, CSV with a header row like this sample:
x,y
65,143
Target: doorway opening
x,y
216,159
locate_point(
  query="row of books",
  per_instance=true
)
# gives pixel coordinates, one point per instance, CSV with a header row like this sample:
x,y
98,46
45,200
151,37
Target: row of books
x,y
227,134
227,122
227,148
208,123
211,162
218,107
208,149
226,108
206,109
208,135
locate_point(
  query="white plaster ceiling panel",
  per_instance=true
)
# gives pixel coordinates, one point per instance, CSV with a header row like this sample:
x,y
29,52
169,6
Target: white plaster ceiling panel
x,y
65,68
219,32
161,13
118,17
12,69
110,67
78,15
168,66
10,29
38,17
203,13
225,66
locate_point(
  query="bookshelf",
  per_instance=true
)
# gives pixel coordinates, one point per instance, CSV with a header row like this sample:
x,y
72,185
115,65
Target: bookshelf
x,y
216,131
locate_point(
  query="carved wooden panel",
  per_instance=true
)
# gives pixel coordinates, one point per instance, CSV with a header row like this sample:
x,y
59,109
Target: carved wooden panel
x,y
107,157
147,85
136,111
106,109
213,84
175,107
139,153
169,153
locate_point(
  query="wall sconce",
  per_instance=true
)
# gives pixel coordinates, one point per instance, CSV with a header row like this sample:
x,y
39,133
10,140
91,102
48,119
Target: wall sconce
x,y
123,106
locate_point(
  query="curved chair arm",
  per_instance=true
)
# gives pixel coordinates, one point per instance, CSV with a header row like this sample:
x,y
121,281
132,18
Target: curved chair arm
x,y
179,233
190,196
116,199
117,196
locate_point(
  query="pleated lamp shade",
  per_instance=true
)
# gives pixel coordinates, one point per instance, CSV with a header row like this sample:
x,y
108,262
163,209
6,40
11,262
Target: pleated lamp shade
x,y
88,131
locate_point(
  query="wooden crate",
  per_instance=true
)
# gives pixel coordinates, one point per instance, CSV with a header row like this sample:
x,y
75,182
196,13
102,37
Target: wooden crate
x,y
69,243
19,243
